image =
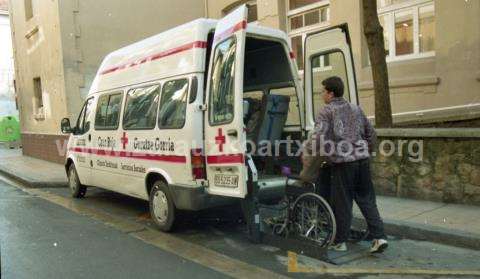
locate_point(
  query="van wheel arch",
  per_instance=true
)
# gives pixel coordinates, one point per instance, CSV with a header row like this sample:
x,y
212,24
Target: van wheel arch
x,y
68,164
151,179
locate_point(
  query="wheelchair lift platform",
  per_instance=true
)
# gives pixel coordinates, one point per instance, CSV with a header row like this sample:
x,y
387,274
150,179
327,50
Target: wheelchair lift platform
x,y
302,222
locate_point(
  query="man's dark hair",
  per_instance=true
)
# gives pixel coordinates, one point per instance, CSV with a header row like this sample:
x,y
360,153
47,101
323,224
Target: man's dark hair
x,y
334,84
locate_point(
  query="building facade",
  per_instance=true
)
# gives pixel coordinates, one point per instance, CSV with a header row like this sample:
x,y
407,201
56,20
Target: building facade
x,y
7,92
433,50
58,47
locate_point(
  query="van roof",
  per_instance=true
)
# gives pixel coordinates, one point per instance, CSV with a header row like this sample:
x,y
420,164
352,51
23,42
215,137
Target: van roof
x,y
177,51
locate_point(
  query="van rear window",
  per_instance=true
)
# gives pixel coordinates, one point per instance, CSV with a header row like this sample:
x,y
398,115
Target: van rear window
x,y
141,108
173,104
222,88
108,112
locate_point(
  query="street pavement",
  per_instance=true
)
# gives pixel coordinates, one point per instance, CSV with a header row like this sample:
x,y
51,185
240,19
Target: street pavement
x,y
46,234
43,240
451,224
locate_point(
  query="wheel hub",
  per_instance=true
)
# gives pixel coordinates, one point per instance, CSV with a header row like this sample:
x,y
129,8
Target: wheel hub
x,y
73,180
160,206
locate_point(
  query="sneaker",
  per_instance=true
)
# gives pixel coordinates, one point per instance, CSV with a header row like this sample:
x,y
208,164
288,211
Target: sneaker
x,y
340,247
378,246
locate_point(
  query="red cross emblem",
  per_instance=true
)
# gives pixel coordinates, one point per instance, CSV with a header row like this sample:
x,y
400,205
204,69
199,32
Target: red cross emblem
x,y
124,140
220,140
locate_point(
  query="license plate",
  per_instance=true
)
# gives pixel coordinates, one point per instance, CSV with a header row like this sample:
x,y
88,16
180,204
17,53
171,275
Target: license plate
x,y
226,180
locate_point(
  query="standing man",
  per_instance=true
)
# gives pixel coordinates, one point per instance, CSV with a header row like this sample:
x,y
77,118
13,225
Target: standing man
x,y
345,137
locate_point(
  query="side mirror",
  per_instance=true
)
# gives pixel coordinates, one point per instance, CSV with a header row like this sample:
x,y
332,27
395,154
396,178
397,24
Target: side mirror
x,y
65,126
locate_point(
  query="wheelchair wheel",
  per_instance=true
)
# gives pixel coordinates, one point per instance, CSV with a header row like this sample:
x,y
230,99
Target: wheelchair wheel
x,y
313,219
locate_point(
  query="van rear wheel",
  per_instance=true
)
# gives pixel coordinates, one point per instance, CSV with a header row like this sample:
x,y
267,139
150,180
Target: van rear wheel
x,y
76,188
162,208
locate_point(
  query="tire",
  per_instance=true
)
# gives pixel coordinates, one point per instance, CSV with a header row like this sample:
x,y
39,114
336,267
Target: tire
x,y
316,206
76,188
162,208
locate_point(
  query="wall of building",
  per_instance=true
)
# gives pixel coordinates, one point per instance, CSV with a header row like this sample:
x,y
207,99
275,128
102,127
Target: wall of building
x,y
64,44
451,78
38,54
448,79
92,29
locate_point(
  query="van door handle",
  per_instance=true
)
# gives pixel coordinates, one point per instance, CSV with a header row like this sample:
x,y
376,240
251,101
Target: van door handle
x,y
89,137
232,133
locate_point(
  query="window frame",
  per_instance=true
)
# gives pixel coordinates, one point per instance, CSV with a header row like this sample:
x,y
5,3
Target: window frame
x,y
80,116
346,82
193,90
210,122
110,94
83,111
304,31
306,8
188,79
412,6
124,109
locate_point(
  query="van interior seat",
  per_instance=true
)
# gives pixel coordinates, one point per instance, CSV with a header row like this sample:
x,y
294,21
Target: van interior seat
x,y
266,118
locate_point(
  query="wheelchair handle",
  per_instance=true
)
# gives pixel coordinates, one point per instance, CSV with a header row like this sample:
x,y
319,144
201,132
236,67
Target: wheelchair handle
x,y
292,180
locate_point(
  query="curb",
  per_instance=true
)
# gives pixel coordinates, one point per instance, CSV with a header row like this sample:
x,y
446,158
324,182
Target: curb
x,y
31,183
414,231
396,228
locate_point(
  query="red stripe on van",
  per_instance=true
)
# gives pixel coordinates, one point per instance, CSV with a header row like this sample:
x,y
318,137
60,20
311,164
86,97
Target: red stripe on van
x,y
239,26
165,53
132,155
226,159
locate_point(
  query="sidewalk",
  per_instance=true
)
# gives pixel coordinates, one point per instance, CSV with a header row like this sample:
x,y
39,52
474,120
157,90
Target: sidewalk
x,y
34,172
451,224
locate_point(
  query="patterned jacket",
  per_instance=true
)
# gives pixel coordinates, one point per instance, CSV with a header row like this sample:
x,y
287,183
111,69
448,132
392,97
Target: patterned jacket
x,y
342,133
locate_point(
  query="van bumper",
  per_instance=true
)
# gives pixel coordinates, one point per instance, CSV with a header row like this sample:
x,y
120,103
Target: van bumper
x,y
196,198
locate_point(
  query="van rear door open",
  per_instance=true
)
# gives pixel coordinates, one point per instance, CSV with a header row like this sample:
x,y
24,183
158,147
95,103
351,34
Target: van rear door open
x,y
225,138
327,53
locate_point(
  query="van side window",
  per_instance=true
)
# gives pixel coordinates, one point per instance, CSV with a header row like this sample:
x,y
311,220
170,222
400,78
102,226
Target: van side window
x,y
141,108
83,125
108,111
173,104
222,83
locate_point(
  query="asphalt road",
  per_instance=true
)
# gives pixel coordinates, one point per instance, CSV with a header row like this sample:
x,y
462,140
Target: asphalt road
x,y
43,240
46,234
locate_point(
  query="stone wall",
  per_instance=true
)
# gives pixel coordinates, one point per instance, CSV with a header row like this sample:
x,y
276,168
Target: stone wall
x,y
448,172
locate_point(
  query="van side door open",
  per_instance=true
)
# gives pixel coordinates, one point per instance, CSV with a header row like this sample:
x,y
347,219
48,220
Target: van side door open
x,y
225,137
327,53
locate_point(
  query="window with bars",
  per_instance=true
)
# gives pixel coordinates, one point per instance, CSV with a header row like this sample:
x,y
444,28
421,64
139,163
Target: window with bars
x,y
305,17
409,28
309,18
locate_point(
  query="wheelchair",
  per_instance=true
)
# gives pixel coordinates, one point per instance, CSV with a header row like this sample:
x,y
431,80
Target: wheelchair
x,y
303,214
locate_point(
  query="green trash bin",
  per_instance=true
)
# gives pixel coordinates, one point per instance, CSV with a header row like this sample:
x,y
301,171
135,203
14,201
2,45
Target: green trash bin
x,y
9,129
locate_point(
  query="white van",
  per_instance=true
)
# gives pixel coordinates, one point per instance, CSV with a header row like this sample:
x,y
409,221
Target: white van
x,y
168,119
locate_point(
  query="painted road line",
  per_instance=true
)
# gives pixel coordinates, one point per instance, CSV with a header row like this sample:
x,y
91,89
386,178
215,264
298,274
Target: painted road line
x,y
295,267
167,242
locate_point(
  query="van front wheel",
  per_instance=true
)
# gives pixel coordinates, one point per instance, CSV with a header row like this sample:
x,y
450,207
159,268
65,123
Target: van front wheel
x,y
162,209
76,188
